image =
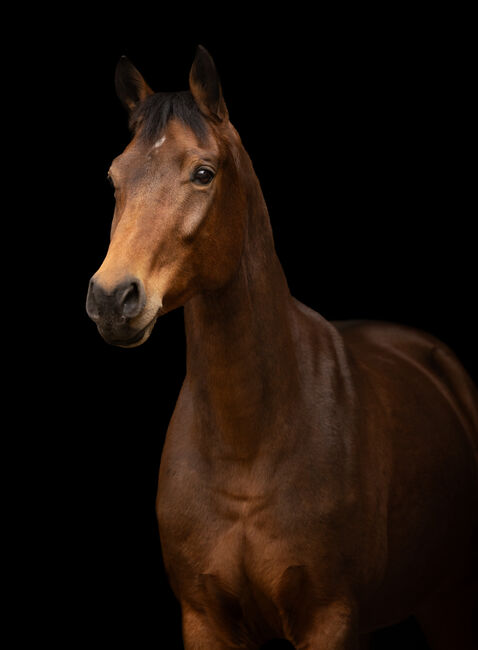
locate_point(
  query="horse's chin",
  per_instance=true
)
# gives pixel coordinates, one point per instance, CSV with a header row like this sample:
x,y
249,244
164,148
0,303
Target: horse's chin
x,y
134,341
143,339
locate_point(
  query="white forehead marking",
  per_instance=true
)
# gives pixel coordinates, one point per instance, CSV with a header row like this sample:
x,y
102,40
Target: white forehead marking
x,y
159,142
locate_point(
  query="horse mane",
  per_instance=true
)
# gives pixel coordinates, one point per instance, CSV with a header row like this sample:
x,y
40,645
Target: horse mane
x,y
152,114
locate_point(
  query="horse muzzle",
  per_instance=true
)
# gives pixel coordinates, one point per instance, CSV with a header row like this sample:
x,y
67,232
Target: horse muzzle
x,y
116,310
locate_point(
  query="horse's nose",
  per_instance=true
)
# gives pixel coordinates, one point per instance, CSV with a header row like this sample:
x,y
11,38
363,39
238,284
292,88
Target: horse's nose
x,y
125,301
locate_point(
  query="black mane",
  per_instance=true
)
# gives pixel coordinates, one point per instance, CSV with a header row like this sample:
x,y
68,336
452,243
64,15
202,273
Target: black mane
x,y
151,116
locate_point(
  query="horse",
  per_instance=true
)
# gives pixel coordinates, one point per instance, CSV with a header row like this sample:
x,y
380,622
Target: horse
x,y
318,480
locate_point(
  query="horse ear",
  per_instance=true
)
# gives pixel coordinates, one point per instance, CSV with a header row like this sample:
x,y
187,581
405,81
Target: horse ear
x,y
205,86
131,88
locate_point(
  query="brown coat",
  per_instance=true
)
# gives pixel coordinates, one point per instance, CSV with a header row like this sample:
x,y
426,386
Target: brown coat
x,y
318,480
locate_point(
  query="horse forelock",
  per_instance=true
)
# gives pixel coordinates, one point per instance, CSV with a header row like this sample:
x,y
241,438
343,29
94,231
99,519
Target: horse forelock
x,y
152,115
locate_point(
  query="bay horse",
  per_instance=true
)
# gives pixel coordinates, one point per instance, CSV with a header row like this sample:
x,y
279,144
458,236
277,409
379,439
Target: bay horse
x,y
318,480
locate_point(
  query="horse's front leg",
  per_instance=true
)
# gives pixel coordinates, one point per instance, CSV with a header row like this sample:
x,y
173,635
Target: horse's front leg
x,y
202,631
198,632
334,627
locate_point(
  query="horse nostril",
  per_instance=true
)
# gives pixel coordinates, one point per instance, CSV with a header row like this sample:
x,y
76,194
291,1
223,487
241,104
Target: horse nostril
x,y
130,299
91,302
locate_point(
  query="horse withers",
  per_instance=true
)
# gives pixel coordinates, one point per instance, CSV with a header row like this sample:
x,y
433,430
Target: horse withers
x,y
318,480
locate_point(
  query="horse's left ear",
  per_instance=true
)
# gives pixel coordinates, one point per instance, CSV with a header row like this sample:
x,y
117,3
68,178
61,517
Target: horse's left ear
x,y
205,86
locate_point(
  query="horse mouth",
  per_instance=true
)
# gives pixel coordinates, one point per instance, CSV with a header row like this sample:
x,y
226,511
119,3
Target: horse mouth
x,y
133,341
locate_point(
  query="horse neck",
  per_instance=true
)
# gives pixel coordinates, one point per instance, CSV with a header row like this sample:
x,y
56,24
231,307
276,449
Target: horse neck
x,y
241,362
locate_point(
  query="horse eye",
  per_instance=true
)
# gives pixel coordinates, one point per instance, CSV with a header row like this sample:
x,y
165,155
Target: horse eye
x,y
203,175
110,180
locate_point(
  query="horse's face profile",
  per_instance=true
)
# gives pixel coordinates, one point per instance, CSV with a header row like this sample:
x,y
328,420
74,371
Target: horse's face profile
x,y
178,226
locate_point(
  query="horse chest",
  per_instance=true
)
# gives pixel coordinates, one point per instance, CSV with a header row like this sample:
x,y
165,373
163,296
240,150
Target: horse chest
x,y
230,558
237,546
219,529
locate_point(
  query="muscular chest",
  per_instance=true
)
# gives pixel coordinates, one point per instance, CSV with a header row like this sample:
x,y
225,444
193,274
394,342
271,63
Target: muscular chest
x,y
216,525
239,536
233,558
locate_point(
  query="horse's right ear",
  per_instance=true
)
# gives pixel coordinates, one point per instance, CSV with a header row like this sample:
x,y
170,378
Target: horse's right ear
x,y
131,88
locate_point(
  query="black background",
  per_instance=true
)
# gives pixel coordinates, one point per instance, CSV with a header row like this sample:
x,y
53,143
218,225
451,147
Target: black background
x,y
358,126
